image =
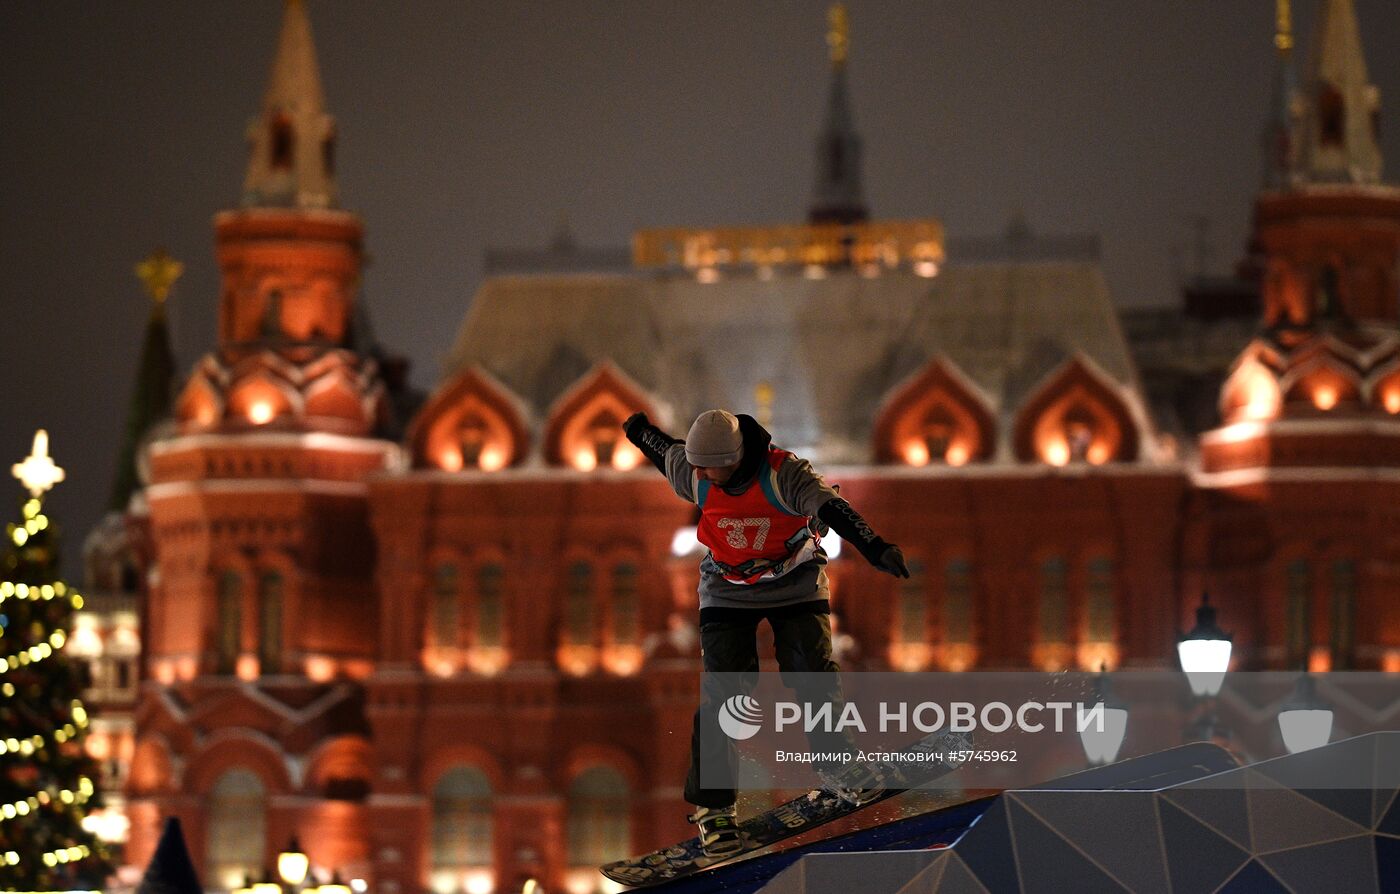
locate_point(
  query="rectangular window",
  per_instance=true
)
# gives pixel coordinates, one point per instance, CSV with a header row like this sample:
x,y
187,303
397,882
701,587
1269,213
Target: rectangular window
x,y
913,605
578,606
1101,607
490,627
957,601
1297,612
626,631
230,620
1343,613
270,623
1051,625
444,630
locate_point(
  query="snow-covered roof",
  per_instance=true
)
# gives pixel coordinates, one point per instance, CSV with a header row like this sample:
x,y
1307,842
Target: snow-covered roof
x,y
832,349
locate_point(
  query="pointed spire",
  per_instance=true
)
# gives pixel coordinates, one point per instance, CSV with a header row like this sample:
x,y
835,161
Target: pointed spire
x,y
1278,138
293,138
1341,108
155,376
171,871
838,194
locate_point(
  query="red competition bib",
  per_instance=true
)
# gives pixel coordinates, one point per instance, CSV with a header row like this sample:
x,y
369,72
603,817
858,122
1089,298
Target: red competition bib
x,y
751,537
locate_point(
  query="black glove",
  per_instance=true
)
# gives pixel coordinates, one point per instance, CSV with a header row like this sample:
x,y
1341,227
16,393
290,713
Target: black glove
x,y
892,562
842,518
652,441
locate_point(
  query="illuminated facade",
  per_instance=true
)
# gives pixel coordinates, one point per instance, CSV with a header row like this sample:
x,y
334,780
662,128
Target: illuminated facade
x,y
465,657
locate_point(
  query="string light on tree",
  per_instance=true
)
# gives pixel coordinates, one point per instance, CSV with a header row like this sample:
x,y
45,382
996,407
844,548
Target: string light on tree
x,y
46,776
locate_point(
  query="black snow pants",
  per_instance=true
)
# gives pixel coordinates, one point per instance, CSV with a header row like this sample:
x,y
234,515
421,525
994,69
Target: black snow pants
x,y
802,645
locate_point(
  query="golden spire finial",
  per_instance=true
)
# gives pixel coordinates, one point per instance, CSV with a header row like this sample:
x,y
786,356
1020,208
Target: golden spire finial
x,y
838,35
159,273
37,471
1283,26
763,397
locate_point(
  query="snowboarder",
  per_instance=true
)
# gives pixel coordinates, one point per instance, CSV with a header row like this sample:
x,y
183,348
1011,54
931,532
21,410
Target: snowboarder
x,y
762,513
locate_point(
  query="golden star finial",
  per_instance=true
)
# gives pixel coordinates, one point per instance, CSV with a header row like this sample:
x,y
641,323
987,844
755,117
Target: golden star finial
x,y
159,273
37,471
838,35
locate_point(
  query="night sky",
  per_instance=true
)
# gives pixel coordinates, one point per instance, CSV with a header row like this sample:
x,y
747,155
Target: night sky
x,y
465,125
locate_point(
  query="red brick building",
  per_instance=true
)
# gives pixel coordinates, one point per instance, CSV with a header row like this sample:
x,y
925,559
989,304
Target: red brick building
x,y
465,657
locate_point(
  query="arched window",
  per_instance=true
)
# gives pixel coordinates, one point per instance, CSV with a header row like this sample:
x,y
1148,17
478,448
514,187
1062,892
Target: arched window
x,y
237,829
270,622
283,143
1343,613
328,154
230,620
1331,115
598,818
462,828
1297,612
490,623
1327,300
444,629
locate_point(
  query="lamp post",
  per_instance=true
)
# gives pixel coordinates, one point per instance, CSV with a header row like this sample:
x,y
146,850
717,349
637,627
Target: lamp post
x,y
1305,720
292,864
1205,652
1102,740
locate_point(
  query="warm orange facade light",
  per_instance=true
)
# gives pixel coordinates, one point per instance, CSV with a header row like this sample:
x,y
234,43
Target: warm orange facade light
x,y
1320,660
585,459
915,452
1390,661
1055,451
624,661
1261,397
957,657
247,667
626,457
910,657
1324,397
493,458
577,661
957,455
1093,656
487,661
320,668
260,412
1391,400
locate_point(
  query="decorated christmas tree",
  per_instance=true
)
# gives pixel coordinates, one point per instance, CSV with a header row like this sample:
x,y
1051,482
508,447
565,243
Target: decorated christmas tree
x,y
48,782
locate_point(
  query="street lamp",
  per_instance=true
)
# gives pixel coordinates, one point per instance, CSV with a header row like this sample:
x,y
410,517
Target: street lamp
x,y
1102,741
1204,652
335,885
1305,720
292,863
266,886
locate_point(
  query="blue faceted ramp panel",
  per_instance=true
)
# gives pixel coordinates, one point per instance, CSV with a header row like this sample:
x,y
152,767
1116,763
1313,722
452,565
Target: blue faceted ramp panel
x,y
1327,819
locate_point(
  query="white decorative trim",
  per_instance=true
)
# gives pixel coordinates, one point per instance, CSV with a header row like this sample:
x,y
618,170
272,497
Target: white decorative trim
x,y
316,440
1298,474
1244,431
256,485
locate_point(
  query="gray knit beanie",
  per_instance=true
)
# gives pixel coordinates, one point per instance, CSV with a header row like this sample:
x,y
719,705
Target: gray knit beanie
x,y
714,440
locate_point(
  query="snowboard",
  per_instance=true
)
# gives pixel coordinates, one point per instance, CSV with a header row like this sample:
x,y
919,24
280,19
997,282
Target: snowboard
x,y
816,808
